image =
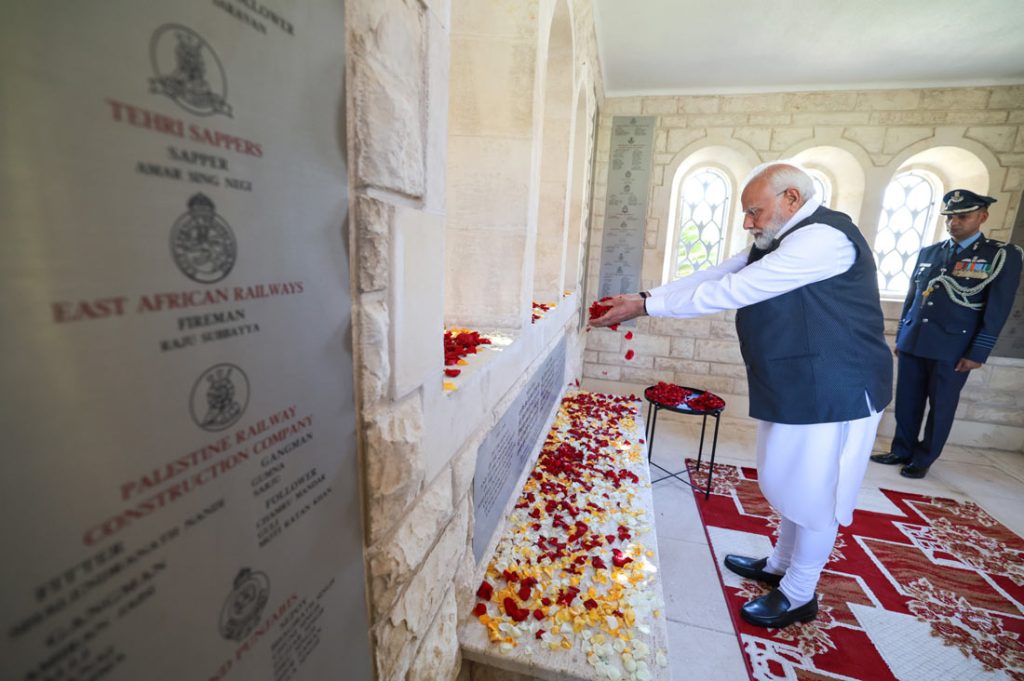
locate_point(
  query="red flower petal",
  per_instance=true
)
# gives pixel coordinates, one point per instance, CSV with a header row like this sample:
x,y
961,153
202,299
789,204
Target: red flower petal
x,y
480,609
629,354
590,604
452,372
485,591
629,335
538,614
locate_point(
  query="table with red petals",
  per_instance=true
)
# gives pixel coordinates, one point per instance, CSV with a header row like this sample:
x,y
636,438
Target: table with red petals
x,y
680,399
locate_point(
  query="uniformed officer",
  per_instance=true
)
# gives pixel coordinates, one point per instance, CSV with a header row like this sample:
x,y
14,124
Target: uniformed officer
x,y
958,301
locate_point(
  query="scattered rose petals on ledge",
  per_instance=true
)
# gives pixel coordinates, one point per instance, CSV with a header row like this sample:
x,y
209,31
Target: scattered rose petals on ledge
x,y
539,309
459,344
572,569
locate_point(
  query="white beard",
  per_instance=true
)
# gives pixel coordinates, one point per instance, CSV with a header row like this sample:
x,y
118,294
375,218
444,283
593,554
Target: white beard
x,y
764,239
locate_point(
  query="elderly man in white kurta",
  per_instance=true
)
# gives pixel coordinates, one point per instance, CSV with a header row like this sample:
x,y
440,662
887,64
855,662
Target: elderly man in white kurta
x,y
810,327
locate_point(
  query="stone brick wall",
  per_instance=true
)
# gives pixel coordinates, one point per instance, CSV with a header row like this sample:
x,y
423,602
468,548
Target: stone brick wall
x,y
881,130
418,444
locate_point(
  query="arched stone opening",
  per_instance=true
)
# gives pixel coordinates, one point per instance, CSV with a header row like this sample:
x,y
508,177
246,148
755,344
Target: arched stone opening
x,y
490,147
578,194
552,223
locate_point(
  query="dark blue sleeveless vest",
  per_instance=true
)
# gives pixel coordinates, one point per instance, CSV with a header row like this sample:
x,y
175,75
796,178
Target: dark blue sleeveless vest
x,y
813,353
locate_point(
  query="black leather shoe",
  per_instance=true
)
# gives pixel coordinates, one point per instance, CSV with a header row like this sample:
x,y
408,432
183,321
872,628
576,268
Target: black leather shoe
x,y
890,458
912,471
752,568
772,611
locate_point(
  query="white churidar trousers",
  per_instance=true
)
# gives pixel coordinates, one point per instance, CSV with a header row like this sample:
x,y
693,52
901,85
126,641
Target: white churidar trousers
x,y
811,475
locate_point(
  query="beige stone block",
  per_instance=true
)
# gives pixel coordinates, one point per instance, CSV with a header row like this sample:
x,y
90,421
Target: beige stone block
x,y
996,138
484,289
652,106
955,98
604,339
491,87
417,311
820,101
687,366
389,120
392,32
679,139
1018,145
719,351
638,361
658,175
399,634
908,117
758,138
438,657
669,122
897,139
648,345
693,328
516,20
641,375
393,562
871,138
489,183
784,138
888,100
1015,116
589,355
698,104
682,347
770,119
748,103
463,468
663,159
731,370
660,140
1014,180
740,387
1008,97
374,362
974,434
373,228
716,384
1014,159
723,329
621,106
976,117
610,373
716,120
819,118
394,464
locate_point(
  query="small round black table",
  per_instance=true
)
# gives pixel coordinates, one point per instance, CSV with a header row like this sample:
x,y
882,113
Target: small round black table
x,y
654,407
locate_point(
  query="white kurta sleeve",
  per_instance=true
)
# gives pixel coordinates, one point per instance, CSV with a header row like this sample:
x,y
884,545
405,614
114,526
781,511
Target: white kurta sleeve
x,y
811,254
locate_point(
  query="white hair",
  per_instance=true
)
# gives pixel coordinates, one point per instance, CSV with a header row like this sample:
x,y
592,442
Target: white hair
x,y
789,175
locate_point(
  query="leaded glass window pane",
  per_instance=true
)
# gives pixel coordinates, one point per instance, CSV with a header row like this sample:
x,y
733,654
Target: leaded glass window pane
x,y
908,214
703,210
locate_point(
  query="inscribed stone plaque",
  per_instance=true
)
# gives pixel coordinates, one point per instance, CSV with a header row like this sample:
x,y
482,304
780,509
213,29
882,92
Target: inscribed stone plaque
x,y
625,214
180,477
507,448
1011,340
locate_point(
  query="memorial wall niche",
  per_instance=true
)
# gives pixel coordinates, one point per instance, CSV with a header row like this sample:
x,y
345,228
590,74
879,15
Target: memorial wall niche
x,y
180,485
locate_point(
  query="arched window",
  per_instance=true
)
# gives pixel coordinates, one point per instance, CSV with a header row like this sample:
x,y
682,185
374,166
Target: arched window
x,y
703,211
906,224
822,185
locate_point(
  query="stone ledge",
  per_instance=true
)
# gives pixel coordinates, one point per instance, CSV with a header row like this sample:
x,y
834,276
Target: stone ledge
x,y
549,658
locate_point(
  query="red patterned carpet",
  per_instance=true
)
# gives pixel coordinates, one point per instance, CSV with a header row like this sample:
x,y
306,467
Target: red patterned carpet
x,y
932,590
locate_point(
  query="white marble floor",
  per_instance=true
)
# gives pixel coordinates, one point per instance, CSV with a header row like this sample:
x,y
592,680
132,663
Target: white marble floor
x,y
702,640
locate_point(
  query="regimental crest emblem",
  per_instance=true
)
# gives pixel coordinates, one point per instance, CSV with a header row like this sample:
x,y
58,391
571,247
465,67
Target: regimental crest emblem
x,y
219,397
188,71
244,605
202,243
